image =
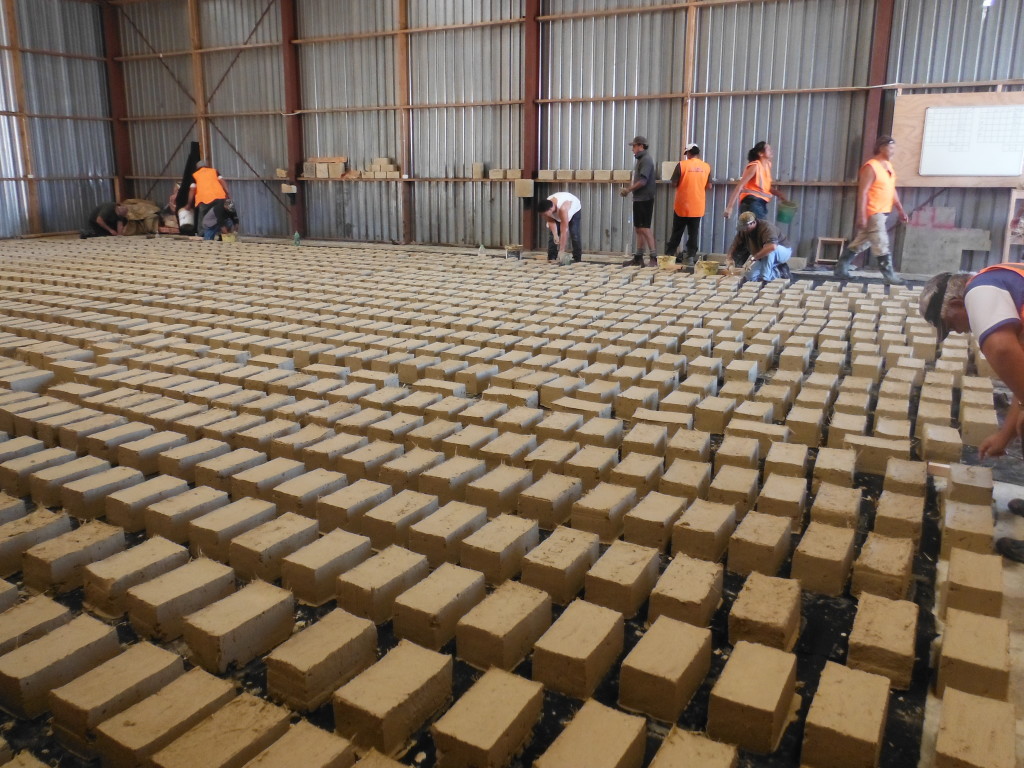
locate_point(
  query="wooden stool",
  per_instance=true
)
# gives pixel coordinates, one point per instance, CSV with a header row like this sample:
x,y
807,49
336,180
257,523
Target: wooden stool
x,y
825,241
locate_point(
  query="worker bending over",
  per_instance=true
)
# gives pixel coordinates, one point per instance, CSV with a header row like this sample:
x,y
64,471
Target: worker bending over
x,y
105,219
760,242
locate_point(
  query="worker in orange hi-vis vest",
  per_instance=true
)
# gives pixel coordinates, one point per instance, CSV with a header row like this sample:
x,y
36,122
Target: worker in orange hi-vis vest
x,y
754,189
876,198
692,180
208,187
990,305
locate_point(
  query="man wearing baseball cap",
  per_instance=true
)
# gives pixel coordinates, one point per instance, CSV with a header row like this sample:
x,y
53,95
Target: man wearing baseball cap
x,y
692,180
761,242
642,187
990,305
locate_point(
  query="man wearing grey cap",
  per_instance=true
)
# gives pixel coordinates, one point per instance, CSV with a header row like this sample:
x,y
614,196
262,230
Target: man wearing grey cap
x,y
691,179
990,305
760,242
642,187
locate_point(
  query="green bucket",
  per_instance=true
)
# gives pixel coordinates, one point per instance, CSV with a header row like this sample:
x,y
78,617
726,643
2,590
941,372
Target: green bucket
x,y
786,212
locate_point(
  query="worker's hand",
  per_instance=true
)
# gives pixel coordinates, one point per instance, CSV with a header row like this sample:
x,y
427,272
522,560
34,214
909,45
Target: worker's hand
x,y
903,217
862,221
730,262
727,213
624,192
993,445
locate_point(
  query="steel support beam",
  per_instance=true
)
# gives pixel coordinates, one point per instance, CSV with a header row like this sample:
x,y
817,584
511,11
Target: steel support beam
x,y
404,94
35,219
198,81
877,71
292,108
116,93
531,109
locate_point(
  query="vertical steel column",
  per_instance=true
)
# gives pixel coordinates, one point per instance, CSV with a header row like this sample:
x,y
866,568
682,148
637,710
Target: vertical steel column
x,y
35,219
877,73
531,122
116,94
198,82
292,105
404,94
689,68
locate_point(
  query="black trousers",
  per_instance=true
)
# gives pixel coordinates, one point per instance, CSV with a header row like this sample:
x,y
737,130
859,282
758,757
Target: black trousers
x,y
574,238
680,224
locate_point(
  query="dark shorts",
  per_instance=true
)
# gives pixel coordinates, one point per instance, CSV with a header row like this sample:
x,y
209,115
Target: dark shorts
x,y
643,213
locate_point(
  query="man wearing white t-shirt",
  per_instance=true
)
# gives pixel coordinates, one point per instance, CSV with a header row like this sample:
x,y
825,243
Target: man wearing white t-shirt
x,y
990,305
562,214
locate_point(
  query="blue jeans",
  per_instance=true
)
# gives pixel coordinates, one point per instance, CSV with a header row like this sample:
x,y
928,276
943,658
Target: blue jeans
x,y
755,205
768,268
574,238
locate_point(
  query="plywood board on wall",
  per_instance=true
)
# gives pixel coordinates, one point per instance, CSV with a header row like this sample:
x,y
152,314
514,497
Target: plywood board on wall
x,y
908,130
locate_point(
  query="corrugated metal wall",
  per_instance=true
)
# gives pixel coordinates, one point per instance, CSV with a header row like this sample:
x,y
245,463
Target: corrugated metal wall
x,y
68,128
613,68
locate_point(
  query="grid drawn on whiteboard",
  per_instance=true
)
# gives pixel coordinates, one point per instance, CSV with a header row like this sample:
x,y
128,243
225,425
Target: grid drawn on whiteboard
x,y
973,141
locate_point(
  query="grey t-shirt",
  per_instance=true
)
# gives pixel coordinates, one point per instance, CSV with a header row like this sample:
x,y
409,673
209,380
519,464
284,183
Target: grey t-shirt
x,y
644,169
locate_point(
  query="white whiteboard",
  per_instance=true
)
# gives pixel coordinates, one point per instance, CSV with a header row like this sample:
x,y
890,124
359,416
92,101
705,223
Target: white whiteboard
x,y
973,141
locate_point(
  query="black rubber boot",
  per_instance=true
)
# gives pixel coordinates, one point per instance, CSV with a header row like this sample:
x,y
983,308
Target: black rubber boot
x,y
842,268
636,260
1016,507
1011,549
889,277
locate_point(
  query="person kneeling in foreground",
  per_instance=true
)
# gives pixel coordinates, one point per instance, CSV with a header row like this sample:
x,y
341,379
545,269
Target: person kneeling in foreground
x,y
105,219
761,242
990,305
220,219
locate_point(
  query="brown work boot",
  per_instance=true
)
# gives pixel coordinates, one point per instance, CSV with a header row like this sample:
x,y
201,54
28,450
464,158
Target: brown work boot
x,y
636,260
1011,549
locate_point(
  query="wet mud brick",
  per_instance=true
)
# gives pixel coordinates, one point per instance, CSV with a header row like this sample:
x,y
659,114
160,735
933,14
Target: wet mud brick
x,y
385,705
883,567
962,721
975,655
389,522
899,516
622,579
663,671
306,745
504,627
592,465
736,486
25,759
549,500
907,477
128,678
403,472
823,558
639,472
370,588
787,459
107,582
683,477
597,737
210,534
300,493
18,536
46,485
143,454
846,720
228,738
325,454
30,672
366,461
181,461
30,620
439,535
883,637
689,590
448,481
170,517
766,611
86,497
308,667
681,749
836,505
490,723
9,595
559,564
345,507
974,583
971,485
428,612
497,549
704,529
967,526
15,473
257,553
311,573
127,507
103,445
784,497
219,471
157,608
57,564
760,543
650,522
499,490
941,443
579,649
240,627
750,702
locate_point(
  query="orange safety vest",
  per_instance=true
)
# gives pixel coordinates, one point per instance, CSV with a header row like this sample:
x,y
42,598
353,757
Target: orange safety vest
x,y
208,186
882,191
760,184
1018,268
691,195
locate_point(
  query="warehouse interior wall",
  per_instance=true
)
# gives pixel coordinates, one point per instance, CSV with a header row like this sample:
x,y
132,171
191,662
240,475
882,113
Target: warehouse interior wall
x,y
103,98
